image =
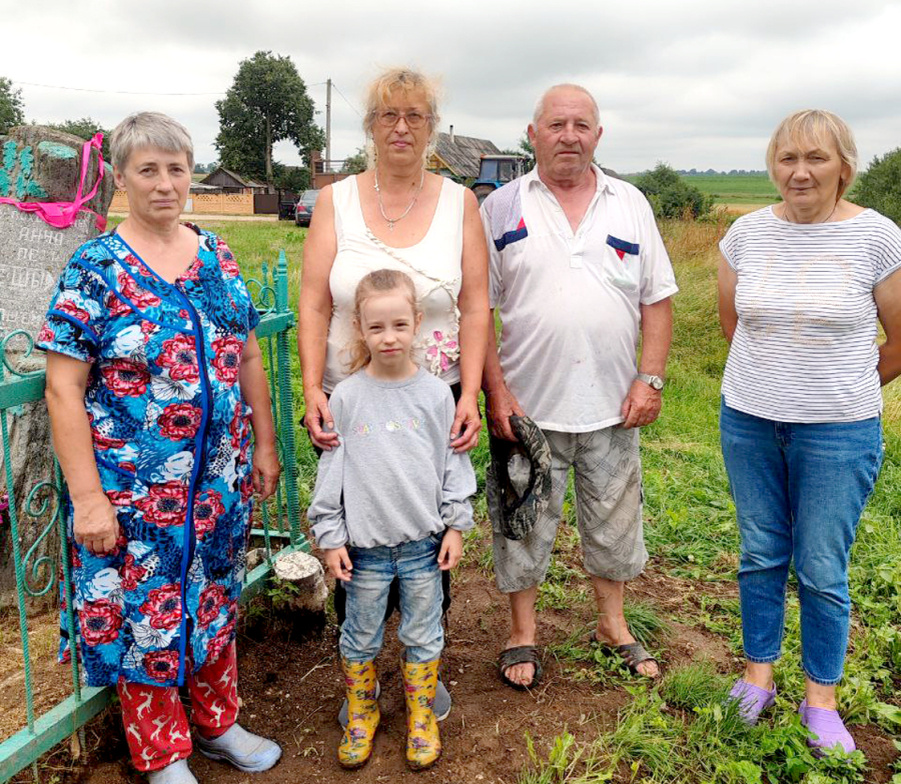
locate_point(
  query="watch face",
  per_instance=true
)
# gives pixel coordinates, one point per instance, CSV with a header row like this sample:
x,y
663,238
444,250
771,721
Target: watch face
x,y
657,383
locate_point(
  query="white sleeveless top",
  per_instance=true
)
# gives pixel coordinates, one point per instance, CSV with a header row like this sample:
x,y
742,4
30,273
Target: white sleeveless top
x,y
434,264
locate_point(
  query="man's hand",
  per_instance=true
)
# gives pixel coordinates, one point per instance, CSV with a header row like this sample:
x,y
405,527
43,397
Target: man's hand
x,y
317,418
467,424
95,525
266,470
339,564
642,405
499,406
451,550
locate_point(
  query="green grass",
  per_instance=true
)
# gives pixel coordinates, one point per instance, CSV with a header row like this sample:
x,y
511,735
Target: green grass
x,y
736,188
679,731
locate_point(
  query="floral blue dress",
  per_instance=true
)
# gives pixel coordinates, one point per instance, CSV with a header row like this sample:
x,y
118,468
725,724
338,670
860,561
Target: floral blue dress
x,y
171,439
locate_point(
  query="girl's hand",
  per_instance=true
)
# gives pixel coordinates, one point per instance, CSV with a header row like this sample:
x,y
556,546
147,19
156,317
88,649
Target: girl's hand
x,y
318,420
266,471
95,525
467,423
451,549
338,562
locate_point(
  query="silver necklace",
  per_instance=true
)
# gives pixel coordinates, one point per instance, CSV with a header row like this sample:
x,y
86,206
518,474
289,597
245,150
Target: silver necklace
x,y
392,221
825,220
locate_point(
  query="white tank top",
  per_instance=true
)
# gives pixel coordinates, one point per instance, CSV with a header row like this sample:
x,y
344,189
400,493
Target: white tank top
x,y
434,264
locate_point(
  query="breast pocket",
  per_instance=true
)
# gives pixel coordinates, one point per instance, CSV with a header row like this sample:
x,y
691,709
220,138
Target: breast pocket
x,y
623,263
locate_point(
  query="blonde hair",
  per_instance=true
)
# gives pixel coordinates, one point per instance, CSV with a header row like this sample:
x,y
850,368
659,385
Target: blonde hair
x,y
379,92
377,282
817,126
149,129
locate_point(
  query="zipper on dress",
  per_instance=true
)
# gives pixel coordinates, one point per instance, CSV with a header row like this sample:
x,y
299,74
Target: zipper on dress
x,y
190,539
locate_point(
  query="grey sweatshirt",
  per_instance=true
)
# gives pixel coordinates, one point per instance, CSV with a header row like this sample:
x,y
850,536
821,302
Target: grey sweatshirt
x,y
394,478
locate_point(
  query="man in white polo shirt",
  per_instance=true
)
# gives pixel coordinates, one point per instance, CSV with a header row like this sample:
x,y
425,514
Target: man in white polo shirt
x,y
578,273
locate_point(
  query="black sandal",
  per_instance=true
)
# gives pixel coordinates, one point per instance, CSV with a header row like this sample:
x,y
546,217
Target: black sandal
x,y
632,654
521,654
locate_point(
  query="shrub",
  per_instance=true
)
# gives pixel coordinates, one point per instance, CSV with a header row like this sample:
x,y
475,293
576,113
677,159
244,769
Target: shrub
x,y
671,196
879,186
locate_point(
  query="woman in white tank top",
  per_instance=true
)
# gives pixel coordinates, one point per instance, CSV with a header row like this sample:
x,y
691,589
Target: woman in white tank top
x,y
398,216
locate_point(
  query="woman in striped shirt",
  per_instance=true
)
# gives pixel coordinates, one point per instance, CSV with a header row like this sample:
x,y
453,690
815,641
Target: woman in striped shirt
x,y
801,286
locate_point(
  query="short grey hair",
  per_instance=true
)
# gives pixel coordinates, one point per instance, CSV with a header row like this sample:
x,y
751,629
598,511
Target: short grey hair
x,y
539,107
149,129
816,126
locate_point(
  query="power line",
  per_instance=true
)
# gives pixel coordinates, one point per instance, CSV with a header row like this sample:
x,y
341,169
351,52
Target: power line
x,y
346,101
111,92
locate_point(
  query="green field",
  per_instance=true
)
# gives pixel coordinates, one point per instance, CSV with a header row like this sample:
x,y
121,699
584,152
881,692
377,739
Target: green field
x,y
678,730
736,188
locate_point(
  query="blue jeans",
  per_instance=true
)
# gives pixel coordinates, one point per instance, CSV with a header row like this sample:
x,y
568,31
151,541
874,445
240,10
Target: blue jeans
x,y
799,491
415,565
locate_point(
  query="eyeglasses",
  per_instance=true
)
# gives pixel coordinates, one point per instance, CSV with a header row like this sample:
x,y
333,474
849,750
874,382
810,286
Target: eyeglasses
x,y
414,120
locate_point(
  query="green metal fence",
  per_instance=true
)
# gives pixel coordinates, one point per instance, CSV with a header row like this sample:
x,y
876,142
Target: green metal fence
x,y
36,575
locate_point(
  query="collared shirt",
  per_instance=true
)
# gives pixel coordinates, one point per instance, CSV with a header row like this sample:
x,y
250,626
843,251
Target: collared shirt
x,y
569,301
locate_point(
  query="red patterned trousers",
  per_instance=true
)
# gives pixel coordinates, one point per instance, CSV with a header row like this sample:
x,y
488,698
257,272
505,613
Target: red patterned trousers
x,y
156,726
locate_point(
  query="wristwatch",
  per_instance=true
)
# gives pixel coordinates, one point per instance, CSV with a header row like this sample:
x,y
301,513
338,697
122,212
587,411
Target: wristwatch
x,y
655,382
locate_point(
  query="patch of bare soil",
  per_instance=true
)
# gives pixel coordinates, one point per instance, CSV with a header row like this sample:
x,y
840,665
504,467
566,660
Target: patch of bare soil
x,y
51,682
291,687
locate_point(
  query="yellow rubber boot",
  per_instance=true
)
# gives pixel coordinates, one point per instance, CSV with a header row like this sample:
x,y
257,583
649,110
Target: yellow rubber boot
x,y
362,714
423,739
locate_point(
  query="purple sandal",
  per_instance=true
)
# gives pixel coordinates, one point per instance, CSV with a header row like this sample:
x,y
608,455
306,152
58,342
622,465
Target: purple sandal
x,y
752,700
826,727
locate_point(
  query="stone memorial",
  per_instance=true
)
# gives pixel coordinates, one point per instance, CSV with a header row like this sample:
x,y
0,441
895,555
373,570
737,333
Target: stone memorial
x,y
48,207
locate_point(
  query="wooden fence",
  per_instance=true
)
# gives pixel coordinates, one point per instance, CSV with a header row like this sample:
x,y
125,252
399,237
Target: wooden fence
x,y
201,203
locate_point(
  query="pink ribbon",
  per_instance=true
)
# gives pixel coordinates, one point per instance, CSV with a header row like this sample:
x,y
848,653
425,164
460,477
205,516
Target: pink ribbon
x,y
62,214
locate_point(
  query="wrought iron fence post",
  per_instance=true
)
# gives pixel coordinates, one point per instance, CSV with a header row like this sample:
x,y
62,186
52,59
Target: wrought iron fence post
x,y
286,403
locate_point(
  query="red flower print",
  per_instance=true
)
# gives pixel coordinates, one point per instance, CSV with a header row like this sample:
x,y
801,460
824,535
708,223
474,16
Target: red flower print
x,y
247,488
103,442
207,508
125,378
100,621
227,359
212,600
126,466
165,504
147,329
119,497
222,639
227,264
162,666
163,607
46,335
179,420
133,292
179,354
71,309
237,426
130,574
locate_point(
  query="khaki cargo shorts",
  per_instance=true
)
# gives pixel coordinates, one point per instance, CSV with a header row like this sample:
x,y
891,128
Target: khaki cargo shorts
x,y
607,470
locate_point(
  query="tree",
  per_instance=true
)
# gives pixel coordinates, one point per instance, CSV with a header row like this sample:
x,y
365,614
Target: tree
x,y
267,103
670,195
879,186
356,163
12,109
85,128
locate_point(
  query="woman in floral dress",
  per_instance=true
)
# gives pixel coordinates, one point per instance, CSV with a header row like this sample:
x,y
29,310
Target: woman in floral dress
x,y
155,385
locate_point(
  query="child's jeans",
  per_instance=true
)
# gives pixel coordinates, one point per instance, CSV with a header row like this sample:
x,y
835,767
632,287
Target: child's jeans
x,y
415,564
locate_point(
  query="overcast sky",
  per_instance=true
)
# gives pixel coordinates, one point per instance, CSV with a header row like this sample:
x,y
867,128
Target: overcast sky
x,y
696,83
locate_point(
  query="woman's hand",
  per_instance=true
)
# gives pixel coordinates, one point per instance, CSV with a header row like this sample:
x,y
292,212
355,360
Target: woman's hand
x,y
95,524
451,549
266,470
338,563
467,423
317,418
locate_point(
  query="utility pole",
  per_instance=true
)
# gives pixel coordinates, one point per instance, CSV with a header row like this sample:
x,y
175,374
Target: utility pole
x,y
328,124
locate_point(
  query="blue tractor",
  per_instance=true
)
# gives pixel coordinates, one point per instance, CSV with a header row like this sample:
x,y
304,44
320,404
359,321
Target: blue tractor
x,y
497,170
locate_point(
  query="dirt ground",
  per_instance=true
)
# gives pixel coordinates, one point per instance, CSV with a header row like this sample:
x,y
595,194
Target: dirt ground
x,y
291,687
